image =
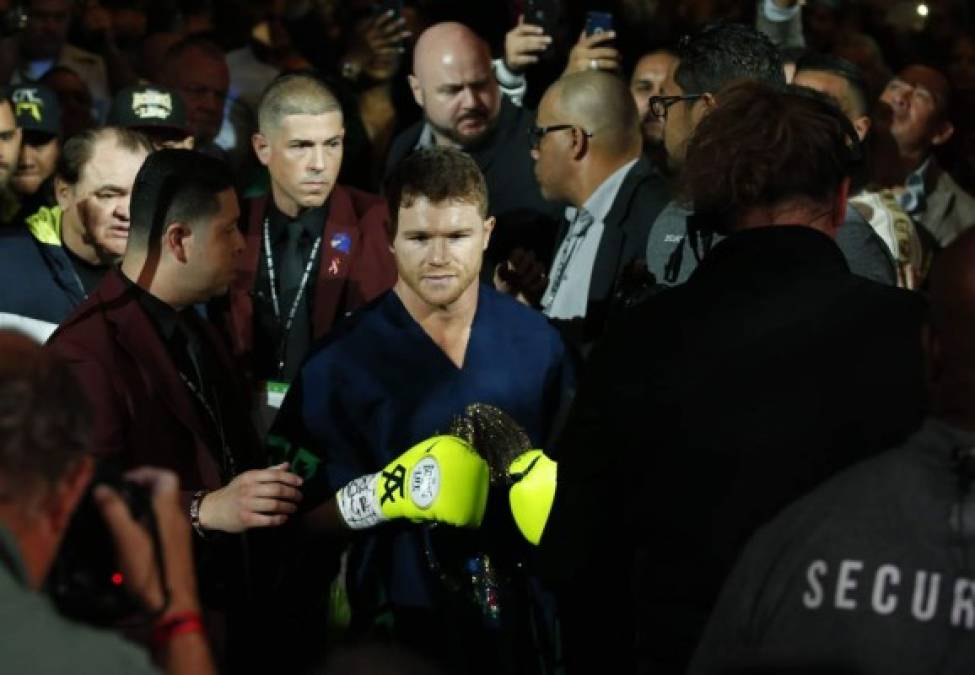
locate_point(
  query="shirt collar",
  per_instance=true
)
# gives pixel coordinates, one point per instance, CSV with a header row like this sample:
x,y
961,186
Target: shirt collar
x,y
311,220
10,556
913,198
426,139
602,198
164,318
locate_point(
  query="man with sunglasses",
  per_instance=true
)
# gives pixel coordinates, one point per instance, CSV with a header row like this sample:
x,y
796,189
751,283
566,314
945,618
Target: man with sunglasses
x,y
587,150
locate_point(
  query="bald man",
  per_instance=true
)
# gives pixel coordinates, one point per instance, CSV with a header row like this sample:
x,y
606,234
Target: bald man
x,y
919,97
882,579
587,150
453,82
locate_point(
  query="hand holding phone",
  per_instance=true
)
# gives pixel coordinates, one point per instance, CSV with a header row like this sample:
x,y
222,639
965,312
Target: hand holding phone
x,y
594,49
598,23
524,45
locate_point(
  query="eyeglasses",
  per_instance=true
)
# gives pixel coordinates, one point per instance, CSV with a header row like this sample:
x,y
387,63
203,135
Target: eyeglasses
x,y
536,133
660,104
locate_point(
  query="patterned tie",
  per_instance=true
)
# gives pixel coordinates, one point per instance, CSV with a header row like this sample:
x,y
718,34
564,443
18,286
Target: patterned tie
x,y
573,239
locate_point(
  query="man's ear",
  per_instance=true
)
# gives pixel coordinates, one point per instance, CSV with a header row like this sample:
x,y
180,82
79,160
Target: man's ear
x,y
488,229
416,89
262,148
580,143
62,500
63,192
862,126
945,131
840,202
707,103
175,239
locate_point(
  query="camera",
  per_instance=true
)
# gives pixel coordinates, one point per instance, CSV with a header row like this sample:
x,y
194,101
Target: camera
x,y
86,582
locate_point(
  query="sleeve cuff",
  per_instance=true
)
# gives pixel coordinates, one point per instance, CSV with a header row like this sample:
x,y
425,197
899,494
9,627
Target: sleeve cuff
x,y
778,14
505,77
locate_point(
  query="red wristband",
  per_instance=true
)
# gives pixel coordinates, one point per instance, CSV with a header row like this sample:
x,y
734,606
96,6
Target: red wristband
x,y
177,624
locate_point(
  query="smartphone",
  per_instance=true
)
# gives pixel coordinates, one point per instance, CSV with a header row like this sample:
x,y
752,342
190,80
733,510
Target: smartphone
x,y
544,13
383,6
598,22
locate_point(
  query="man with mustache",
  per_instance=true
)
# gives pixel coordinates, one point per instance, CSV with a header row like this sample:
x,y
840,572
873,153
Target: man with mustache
x,y
648,76
453,82
48,267
315,250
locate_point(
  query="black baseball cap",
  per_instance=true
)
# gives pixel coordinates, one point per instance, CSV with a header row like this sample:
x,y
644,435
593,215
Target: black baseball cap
x,y
36,108
148,107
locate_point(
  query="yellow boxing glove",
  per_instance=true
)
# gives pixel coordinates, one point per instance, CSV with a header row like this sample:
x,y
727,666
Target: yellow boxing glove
x,y
441,479
535,477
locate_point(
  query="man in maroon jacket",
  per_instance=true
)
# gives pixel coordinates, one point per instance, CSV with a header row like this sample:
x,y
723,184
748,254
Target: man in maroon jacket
x,y
164,391
315,250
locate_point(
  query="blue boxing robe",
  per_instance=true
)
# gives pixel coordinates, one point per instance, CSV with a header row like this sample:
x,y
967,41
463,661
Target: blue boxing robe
x,y
379,384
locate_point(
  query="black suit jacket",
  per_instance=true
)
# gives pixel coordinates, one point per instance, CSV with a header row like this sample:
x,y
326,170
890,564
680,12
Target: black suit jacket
x,y
705,411
642,195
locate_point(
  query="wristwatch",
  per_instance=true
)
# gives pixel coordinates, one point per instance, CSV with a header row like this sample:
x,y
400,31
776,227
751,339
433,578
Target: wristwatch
x,y
195,512
351,70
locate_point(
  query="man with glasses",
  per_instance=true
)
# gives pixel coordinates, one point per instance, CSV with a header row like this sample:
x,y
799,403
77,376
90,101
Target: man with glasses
x,y
705,63
587,150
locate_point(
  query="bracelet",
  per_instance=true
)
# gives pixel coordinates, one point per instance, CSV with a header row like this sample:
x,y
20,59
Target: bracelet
x,y
177,624
195,513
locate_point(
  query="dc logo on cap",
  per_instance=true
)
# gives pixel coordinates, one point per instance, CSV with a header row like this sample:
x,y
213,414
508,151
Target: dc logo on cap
x,y
27,100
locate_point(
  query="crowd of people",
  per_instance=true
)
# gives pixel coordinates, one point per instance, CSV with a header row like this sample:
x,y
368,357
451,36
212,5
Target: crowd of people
x,y
523,337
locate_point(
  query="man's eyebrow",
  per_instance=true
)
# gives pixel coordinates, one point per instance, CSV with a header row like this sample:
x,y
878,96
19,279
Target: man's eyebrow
x,y
111,188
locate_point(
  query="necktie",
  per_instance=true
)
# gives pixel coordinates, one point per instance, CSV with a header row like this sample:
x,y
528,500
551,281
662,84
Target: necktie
x,y
573,238
293,264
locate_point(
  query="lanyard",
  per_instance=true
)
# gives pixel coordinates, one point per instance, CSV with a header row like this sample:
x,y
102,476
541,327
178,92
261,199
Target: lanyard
x,y
215,417
290,319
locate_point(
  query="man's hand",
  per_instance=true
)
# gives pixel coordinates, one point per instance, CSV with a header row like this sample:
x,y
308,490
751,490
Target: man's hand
x,y
258,498
134,546
377,45
523,45
521,276
592,53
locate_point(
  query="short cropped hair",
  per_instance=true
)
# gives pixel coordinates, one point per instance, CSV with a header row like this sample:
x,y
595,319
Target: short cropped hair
x,y
762,145
174,186
80,148
439,174
840,67
294,94
44,416
724,52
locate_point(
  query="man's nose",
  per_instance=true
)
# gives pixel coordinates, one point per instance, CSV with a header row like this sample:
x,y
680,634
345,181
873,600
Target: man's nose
x,y
438,251
468,97
122,208
317,161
